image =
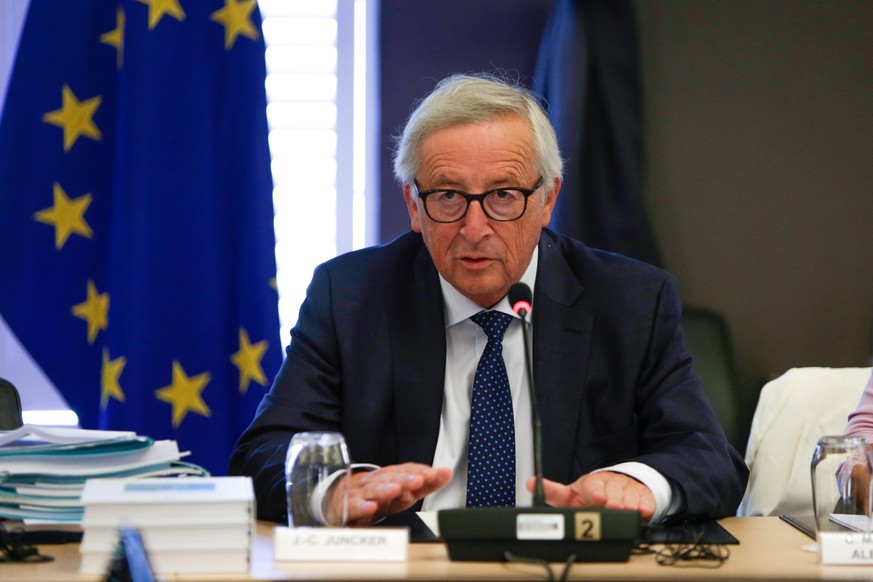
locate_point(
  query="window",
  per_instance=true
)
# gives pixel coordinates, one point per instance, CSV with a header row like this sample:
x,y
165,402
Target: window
x,y
317,93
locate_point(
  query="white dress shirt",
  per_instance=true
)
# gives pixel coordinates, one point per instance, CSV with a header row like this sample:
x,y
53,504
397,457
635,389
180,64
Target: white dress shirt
x,y
465,342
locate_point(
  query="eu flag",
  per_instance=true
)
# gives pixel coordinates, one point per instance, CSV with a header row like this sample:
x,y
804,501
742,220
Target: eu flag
x,y
137,262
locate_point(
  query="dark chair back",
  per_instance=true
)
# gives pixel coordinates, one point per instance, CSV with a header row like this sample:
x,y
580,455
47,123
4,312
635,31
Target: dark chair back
x,y
708,339
10,406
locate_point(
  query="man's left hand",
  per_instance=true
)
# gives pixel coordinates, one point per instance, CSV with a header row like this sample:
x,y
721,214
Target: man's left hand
x,y
602,489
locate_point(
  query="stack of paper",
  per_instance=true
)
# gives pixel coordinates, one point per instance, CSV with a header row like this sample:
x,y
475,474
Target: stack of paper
x,y
188,525
43,470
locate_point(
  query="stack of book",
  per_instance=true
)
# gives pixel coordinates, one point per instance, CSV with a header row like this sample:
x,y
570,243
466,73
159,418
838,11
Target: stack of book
x,y
187,525
43,470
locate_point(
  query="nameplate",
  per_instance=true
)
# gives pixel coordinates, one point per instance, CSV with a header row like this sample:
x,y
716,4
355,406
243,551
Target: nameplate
x,y
340,544
846,548
539,526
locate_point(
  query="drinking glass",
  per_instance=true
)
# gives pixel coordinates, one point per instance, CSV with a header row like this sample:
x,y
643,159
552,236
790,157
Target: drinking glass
x,y
316,471
841,485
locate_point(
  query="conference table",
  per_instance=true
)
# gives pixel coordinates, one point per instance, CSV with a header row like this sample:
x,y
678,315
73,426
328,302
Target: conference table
x,y
769,549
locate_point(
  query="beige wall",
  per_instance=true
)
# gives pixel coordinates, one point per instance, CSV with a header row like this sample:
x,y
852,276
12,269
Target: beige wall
x,y
759,137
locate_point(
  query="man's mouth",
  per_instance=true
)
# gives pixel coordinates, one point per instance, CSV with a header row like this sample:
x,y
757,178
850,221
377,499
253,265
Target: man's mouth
x,y
474,262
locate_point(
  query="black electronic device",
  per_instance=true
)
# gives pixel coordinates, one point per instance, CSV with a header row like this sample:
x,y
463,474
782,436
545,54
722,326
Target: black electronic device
x,y
553,534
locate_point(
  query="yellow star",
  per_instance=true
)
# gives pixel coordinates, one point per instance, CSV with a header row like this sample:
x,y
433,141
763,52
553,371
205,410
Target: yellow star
x,y
157,9
184,394
236,18
109,374
116,37
95,310
67,216
75,117
248,360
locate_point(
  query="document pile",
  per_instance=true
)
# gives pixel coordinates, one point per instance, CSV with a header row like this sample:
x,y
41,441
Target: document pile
x,y
43,470
187,525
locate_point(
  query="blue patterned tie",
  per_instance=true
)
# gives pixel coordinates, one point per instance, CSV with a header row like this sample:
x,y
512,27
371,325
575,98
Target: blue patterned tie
x,y
491,454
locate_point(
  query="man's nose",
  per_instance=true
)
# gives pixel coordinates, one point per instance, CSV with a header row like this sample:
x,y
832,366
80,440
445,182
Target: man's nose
x,y
476,225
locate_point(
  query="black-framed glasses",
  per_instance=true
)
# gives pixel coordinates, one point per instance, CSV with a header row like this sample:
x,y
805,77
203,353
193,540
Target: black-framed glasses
x,y
500,204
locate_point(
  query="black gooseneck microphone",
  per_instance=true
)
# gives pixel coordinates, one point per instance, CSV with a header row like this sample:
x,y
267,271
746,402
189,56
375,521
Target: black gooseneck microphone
x,y
540,532
520,299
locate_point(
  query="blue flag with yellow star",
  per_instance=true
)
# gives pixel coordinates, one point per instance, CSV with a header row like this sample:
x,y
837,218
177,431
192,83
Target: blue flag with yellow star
x,y
137,259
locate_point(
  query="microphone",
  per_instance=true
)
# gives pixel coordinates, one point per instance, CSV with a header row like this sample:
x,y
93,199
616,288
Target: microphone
x,y
581,534
520,299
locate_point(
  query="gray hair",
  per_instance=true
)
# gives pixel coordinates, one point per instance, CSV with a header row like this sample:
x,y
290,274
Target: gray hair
x,y
463,99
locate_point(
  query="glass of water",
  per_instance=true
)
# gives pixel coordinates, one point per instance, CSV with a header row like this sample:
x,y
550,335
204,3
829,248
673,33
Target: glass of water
x,y
842,488
316,479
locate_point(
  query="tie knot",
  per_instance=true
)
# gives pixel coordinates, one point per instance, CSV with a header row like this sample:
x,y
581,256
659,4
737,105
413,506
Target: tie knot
x,y
493,323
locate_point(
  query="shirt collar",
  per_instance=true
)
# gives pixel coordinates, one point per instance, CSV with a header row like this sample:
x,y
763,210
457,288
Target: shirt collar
x,y
457,308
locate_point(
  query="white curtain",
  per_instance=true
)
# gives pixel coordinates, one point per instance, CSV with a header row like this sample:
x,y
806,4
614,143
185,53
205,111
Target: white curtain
x,y
11,20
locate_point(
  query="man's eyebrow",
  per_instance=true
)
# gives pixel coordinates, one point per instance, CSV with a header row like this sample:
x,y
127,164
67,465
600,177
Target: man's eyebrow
x,y
440,183
443,183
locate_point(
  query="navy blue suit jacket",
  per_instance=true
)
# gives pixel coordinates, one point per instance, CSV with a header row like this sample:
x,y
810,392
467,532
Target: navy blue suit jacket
x,y
614,379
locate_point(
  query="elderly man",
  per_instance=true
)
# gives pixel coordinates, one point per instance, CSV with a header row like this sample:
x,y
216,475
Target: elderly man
x,y
412,351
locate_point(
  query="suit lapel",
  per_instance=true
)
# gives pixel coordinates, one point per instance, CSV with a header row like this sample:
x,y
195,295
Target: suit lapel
x,y
418,348
562,337
561,347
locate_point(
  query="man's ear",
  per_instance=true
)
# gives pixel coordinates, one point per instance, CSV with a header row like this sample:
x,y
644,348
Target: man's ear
x,y
412,207
549,204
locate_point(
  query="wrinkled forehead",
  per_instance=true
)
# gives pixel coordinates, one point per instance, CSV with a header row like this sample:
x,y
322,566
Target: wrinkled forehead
x,y
503,146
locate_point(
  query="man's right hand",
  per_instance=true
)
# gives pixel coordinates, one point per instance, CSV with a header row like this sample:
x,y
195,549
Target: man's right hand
x,y
376,494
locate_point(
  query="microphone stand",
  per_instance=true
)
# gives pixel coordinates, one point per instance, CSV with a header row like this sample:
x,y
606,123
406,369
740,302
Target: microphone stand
x,y
592,534
539,497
